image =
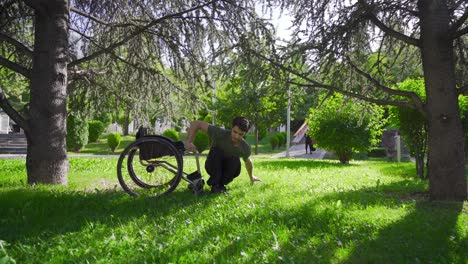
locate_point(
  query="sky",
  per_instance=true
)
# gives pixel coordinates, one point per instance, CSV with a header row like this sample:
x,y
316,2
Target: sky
x,y
281,21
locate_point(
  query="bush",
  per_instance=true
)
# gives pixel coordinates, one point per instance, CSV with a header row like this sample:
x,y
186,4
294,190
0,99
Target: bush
x,y
282,137
172,134
113,141
377,153
346,126
77,133
201,141
274,141
95,128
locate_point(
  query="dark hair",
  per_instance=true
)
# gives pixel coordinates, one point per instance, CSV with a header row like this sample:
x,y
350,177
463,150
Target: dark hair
x,y
242,123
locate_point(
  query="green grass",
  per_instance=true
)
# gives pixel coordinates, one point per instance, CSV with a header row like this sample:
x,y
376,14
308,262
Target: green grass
x,y
304,211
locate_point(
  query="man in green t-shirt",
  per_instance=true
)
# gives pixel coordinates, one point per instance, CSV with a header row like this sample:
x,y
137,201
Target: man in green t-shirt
x,y
227,147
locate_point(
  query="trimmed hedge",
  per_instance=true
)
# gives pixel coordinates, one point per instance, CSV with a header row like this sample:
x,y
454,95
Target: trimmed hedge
x,y
113,140
274,141
77,133
95,128
377,153
201,141
172,134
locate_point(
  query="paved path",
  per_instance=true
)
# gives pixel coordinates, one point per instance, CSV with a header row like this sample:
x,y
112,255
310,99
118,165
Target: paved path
x,y
298,151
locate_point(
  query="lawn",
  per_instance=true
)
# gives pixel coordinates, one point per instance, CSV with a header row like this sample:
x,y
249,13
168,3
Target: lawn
x,y
304,211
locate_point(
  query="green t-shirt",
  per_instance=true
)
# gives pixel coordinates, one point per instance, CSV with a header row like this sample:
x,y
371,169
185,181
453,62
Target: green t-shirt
x,y
222,138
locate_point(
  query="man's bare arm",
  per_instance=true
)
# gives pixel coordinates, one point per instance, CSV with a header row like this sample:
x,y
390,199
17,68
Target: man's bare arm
x,y
249,167
194,127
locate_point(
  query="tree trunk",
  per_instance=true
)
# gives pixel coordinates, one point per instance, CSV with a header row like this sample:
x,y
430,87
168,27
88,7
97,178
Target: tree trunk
x,y
46,160
256,139
419,158
126,120
447,180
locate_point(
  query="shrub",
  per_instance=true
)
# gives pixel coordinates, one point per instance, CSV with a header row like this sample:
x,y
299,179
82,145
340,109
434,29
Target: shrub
x,y
172,134
95,128
113,140
346,126
77,133
282,137
201,141
274,141
377,153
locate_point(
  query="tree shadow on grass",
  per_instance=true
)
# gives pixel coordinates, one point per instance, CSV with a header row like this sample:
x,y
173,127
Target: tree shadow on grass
x,y
30,212
426,232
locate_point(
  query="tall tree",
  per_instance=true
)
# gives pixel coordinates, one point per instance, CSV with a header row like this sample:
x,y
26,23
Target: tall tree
x,y
346,32
180,34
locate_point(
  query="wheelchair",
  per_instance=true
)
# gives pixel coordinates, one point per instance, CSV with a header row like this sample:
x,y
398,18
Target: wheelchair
x,y
152,165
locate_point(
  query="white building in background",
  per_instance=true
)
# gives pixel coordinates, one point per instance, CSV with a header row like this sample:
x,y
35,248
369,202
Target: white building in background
x,y
161,125
4,123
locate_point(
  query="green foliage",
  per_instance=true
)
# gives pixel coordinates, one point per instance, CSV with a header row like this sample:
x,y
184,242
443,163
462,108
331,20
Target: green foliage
x,y
4,257
463,104
77,133
345,126
282,136
96,128
412,124
105,118
121,119
113,141
262,132
201,141
274,141
281,139
377,153
172,134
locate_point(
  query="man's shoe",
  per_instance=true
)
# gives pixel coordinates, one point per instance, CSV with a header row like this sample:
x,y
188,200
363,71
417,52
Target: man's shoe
x,y
218,189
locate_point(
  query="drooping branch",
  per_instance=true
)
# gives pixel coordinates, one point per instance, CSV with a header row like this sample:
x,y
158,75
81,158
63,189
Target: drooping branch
x,y
18,45
91,17
458,24
416,102
12,113
137,32
389,31
15,67
355,95
461,32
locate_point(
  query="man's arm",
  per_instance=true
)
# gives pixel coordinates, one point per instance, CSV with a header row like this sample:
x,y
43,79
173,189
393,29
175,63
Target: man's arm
x,y
194,127
249,167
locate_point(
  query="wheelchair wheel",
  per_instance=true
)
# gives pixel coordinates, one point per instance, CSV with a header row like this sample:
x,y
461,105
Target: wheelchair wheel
x,y
152,165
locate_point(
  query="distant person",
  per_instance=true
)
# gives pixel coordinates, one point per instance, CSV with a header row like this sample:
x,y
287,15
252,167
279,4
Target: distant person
x,y
228,146
309,144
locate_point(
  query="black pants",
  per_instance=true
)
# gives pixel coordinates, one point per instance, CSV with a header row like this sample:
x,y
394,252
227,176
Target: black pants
x,y
308,146
222,168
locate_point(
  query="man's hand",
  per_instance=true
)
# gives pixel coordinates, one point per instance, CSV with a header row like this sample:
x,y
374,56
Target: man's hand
x,y
191,147
254,179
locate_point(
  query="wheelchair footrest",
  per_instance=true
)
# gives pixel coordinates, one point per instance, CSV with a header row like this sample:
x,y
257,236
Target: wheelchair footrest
x,y
197,186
